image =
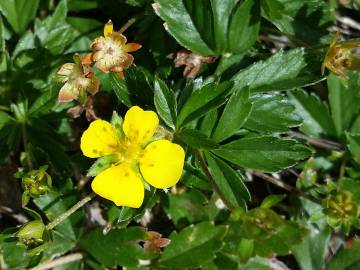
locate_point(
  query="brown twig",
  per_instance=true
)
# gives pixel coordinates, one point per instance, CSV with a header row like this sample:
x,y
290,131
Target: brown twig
x,y
321,143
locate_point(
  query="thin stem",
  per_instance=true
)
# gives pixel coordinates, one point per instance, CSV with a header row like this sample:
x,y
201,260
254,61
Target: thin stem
x,y
129,23
212,181
69,212
282,185
272,180
59,261
321,143
26,146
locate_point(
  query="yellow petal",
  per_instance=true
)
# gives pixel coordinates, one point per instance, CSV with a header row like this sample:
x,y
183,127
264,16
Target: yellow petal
x,y
121,185
162,163
99,140
108,29
139,125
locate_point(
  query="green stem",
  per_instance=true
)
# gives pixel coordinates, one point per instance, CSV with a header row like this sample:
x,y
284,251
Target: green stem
x,y
212,181
4,108
69,212
26,146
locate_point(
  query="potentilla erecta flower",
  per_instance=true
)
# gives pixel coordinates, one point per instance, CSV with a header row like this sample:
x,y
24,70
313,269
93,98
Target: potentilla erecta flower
x,y
78,80
138,157
111,52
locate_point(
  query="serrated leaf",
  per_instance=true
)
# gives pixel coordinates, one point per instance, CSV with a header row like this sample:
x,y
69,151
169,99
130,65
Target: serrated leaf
x,y
54,32
120,89
244,26
186,208
314,112
347,258
119,247
193,246
202,100
165,103
354,145
229,181
19,13
196,139
282,71
271,113
180,25
344,99
265,153
235,114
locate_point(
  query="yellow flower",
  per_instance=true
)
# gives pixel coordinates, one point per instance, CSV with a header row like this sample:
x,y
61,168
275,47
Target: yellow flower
x,y
159,163
110,52
78,79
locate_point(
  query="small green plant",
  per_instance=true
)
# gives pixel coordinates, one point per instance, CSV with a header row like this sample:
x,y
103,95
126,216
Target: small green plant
x,y
179,134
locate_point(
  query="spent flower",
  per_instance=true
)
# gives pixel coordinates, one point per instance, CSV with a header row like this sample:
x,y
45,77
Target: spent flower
x,y
342,56
138,156
111,52
79,80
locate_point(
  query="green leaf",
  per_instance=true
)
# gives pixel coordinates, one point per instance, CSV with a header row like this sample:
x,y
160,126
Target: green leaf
x,y
347,258
15,255
311,253
282,71
271,200
235,114
186,208
265,153
244,26
119,247
229,181
196,139
120,89
193,246
314,112
344,98
271,113
354,145
101,164
19,13
165,103
306,20
180,25
222,11
54,205
203,100
54,33
4,118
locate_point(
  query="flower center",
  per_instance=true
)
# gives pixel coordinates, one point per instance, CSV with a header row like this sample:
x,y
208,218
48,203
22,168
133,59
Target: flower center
x,y
130,152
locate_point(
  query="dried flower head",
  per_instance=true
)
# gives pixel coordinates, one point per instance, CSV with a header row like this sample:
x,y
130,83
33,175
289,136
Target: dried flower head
x,y
78,79
111,52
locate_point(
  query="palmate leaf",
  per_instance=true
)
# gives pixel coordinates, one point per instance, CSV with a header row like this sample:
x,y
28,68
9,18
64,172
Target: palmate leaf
x,y
212,27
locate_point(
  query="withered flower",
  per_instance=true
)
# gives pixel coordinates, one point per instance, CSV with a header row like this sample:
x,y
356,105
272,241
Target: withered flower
x,y
342,56
191,61
78,80
111,52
